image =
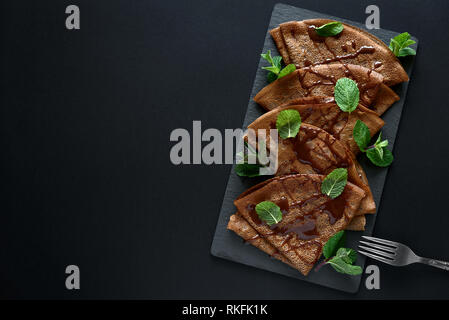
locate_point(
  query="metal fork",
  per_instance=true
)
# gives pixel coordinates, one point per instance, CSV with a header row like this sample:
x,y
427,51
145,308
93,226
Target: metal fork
x,y
395,253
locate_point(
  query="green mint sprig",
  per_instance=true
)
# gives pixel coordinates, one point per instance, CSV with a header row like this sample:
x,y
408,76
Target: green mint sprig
x,y
346,94
400,45
269,212
337,241
378,153
340,258
330,29
288,123
334,183
275,70
245,169
343,262
248,170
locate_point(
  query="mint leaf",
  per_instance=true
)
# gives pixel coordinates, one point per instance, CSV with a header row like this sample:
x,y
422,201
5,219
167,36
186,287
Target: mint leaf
x,y
335,182
380,158
247,170
403,40
400,45
275,70
380,143
334,243
287,70
269,212
275,67
330,29
378,153
343,267
341,259
394,46
347,255
346,94
267,56
277,61
288,123
406,52
271,77
361,135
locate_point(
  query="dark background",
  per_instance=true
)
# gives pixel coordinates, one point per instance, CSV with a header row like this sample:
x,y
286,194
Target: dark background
x,y
86,178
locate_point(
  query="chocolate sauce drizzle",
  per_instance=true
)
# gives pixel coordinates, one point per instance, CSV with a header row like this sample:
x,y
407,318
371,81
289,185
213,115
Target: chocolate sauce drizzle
x,y
316,39
304,227
304,153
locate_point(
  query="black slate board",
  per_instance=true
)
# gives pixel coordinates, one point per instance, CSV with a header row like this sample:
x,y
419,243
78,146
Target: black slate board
x,y
228,245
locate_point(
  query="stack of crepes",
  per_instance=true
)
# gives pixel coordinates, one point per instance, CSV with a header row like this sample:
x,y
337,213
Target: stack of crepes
x,y
325,140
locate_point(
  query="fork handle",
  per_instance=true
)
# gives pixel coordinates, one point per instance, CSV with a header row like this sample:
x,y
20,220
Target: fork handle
x,y
436,263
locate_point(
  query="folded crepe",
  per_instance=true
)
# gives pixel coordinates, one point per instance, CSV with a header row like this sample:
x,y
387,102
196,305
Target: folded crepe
x,y
242,228
320,80
309,218
324,113
298,43
314,150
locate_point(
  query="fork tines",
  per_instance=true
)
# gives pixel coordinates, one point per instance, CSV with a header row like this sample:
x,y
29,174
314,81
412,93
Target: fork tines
x,y
379,249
